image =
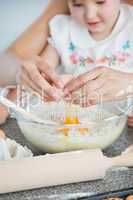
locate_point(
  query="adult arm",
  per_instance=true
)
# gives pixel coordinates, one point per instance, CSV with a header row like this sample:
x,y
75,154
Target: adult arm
x,y
34,39
102,84
32,42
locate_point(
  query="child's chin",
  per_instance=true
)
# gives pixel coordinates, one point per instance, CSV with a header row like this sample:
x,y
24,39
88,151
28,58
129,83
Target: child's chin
x,y
98,29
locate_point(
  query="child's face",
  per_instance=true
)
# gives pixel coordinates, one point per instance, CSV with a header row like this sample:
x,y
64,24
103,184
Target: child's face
x,y
99,16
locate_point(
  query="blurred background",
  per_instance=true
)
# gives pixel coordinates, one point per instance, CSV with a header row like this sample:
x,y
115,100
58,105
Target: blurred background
x,y
16,16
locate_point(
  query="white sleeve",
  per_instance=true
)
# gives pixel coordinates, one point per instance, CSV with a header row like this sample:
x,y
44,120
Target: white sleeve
x,y
59,27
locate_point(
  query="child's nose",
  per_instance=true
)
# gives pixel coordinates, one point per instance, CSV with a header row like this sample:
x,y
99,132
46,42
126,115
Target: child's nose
x,y
91,13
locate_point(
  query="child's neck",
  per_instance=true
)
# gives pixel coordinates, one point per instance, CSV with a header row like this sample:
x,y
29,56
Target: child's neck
x,y
100,36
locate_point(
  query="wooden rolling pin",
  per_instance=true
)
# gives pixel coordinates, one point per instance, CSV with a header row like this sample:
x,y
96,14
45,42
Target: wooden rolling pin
x,y
57,169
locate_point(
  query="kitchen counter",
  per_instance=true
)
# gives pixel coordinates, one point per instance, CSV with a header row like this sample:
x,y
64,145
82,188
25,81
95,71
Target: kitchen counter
x,y
115,179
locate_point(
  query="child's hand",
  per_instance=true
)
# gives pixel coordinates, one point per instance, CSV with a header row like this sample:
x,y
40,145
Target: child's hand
x,y
65,78
130,121
102,84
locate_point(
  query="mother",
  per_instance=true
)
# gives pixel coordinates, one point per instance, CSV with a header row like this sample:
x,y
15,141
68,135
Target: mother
x,y
32,42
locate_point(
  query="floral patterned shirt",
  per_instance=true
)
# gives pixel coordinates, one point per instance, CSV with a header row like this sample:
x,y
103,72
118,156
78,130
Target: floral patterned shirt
x,y
79,52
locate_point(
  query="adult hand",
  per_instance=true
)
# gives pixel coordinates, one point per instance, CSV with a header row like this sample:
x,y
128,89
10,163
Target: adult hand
x,y
37,76
102,83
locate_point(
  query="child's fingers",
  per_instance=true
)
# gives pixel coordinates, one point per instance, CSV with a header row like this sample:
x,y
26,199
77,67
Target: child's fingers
x,y
66,78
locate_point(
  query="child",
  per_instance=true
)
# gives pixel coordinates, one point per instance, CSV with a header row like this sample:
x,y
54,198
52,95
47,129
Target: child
x,y
98,33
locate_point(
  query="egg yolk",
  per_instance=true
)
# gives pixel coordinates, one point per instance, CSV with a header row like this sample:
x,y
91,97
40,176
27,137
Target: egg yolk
x,y
71,120
65,131
83,130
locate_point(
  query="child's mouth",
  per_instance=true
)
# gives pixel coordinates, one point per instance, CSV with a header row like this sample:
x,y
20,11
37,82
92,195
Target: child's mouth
x,y
93,24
